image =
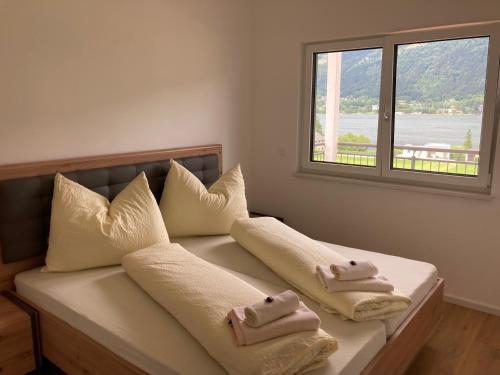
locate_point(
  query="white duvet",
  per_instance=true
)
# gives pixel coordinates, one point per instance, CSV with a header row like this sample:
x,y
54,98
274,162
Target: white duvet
x,y
294,257
199,295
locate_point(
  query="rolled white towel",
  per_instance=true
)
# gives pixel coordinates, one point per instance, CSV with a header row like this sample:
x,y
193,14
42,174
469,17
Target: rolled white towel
x,y
377,283
353,269
271,308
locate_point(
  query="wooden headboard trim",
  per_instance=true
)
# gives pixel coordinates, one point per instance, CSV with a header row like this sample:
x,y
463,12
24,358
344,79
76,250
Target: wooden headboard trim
x,y
8,172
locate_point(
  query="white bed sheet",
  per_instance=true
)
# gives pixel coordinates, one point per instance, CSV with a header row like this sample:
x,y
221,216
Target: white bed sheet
x,y
110,308
411,277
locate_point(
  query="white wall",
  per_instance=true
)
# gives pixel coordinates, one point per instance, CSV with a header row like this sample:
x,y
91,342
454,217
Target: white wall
x,y
97,77
461,236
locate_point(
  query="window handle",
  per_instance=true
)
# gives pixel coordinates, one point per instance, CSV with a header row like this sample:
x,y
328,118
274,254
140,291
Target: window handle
x,y
387,114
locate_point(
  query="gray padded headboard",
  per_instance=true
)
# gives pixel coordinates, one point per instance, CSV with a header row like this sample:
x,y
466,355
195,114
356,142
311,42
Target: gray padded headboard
x,y
25,203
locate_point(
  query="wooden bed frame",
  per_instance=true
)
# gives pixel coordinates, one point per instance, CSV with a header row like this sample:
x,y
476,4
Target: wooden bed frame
x,y
76,353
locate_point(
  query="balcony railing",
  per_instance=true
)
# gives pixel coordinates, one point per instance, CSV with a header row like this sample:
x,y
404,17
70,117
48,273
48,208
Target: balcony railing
x,y
418,158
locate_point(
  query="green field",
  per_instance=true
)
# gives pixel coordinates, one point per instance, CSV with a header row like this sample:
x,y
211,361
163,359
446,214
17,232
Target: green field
x,y
420,165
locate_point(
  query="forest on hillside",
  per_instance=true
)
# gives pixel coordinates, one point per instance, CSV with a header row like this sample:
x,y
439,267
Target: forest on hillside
x,y
432,77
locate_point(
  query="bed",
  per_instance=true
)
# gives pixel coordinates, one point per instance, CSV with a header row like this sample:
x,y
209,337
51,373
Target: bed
x,y
113,326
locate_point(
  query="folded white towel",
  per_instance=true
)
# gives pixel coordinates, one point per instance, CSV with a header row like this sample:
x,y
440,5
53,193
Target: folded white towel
x,y
271,308
378,283
353,269
301,320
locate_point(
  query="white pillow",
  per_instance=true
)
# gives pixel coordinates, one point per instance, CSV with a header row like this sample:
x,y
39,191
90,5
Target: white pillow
x,y
87,231
189,209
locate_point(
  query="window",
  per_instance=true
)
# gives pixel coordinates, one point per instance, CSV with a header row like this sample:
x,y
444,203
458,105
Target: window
x,y
415,108
340,93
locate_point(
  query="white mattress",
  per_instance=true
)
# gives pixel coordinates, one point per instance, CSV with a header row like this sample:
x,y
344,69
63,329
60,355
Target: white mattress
x,y
110,308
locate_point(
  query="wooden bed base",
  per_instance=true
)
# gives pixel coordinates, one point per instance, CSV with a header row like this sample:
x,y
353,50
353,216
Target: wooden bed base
x,y
405,343
76,353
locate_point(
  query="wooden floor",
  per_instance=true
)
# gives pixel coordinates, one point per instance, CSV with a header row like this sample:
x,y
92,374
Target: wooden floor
x,y
466,342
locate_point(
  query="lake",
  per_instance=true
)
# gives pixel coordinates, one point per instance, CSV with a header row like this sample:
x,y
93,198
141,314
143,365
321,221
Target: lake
x,y
416,129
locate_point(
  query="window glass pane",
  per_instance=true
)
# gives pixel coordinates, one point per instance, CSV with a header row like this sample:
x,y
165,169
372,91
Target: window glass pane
x,y
438,105
346,105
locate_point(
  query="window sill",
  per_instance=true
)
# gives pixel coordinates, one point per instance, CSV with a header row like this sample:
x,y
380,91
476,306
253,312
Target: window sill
x,y
395,186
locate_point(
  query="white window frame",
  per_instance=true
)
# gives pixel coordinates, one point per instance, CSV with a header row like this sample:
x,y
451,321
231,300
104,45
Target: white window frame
x,y
383,171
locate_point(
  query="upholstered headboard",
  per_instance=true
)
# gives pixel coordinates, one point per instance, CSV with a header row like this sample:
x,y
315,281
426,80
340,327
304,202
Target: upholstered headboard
x,y
26,191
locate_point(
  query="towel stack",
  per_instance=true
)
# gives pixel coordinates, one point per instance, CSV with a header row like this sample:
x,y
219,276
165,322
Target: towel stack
x,y
276,316
353,275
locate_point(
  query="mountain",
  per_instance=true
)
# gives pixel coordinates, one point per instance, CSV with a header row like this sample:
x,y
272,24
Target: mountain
x,y
426,72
